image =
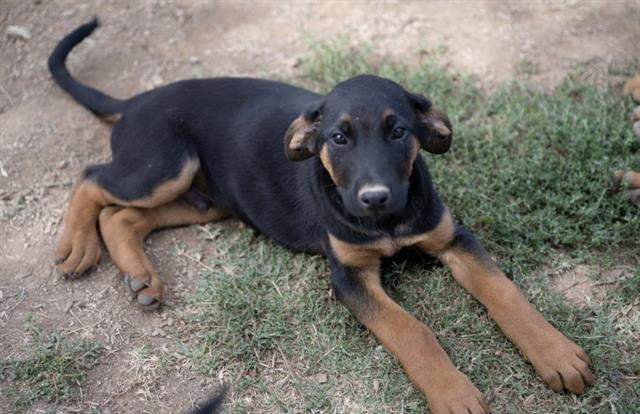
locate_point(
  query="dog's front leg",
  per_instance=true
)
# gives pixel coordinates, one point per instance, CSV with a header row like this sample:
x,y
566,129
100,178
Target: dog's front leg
x,y
446,389
559,361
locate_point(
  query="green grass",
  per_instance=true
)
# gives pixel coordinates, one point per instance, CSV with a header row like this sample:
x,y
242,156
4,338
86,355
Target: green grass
x,y
51,369
529,173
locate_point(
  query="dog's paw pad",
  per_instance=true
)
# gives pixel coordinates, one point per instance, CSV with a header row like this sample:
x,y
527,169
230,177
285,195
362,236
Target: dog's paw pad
x,y
141,289
149,301
134,284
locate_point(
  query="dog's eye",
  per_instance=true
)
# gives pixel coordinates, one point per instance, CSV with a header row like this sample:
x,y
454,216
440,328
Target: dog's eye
x,y
339,138
398,132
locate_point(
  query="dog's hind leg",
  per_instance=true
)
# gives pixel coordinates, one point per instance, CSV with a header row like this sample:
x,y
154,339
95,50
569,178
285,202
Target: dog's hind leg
x,y
124,229
126,181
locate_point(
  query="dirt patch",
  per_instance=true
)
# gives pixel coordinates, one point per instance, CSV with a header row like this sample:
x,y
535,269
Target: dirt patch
x,y
46,140
584,285
576,284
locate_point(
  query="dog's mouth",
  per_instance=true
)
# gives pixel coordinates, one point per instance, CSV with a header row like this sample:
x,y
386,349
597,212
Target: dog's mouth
x,y
356,208
373,212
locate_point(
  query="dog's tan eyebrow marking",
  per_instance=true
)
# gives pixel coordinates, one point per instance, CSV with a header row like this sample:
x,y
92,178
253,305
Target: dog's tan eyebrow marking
x,y
388,117
345,122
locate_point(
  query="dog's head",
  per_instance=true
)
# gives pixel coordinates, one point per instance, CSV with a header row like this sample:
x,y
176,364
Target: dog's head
x,y
367,132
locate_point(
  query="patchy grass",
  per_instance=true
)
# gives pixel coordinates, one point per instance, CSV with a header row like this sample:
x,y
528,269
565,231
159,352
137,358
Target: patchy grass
x,y
148,367
52,368
529,173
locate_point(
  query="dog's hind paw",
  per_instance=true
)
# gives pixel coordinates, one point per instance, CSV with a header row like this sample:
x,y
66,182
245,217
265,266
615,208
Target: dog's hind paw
x,y
146,294
77,254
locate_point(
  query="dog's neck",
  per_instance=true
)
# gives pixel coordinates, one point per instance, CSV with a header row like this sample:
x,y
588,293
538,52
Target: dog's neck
x,y
421,201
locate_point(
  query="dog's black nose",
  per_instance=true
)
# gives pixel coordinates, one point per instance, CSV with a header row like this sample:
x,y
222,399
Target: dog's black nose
x,y
374,198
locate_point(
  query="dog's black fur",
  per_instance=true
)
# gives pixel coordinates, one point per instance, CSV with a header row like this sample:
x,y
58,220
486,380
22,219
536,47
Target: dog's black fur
x,y
235,127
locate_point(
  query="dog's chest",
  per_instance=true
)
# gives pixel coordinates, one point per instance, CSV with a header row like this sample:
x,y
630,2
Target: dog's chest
x,y
363,255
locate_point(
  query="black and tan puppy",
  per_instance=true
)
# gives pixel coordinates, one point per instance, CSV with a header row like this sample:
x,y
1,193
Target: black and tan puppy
x,y
337,175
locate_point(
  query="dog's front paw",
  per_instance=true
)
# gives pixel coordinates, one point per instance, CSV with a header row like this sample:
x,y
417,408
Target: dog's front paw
x,y
77,252
563,365
456,394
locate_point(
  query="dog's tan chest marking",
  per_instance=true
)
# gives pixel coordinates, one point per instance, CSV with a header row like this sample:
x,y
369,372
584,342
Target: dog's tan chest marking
x,y
365,255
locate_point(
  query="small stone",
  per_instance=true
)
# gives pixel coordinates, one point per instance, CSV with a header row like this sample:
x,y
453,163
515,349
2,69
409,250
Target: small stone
x,y
157,80
320,378
194,60
635,115
378,352
530,401
19,32
158,332
63,164
376,385
293,62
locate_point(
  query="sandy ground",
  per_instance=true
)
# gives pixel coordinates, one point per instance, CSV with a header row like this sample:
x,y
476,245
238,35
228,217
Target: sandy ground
x,y
46,139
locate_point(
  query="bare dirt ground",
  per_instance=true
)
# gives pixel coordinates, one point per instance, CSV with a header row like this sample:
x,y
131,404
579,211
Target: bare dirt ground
x,y
46,138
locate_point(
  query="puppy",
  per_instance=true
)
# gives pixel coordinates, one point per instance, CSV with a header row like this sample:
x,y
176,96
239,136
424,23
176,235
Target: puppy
x,y
337,175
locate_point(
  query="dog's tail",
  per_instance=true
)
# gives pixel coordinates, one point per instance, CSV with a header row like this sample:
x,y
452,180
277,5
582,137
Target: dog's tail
x,y
213,405
97,102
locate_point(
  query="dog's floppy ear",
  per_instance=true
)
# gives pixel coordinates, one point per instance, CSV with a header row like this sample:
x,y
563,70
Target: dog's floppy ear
x,y
434,129
300,139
